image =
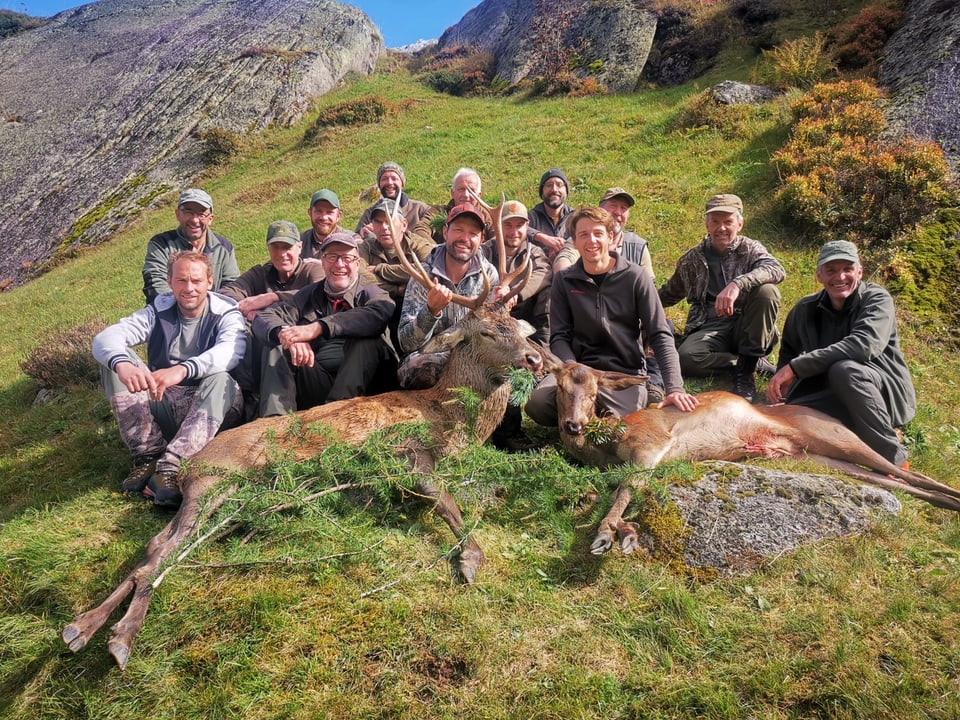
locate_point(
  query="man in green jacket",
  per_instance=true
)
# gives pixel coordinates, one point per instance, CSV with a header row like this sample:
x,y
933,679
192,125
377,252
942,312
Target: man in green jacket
x,y
194,217
840,354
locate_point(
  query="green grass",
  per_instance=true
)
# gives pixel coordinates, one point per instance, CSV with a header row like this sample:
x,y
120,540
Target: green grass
x,y
346,608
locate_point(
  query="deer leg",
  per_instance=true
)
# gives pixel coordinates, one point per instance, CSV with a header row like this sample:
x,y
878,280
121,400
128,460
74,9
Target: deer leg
x,y
471,556
607,530
934,497
627,534
84,626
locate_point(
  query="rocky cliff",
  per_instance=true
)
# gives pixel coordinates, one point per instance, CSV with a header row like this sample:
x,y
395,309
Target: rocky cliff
x,y
100,108
921,70
614,36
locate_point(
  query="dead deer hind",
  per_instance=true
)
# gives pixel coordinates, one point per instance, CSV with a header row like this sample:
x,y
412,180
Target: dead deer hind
x,y
723,427
483,346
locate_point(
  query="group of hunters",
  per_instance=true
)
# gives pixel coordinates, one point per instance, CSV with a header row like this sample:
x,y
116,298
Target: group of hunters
x,y
333,315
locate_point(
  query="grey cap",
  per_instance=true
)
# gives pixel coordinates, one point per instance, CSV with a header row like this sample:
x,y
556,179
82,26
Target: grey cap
x,y
329,195
384,205
195,195
838,250
283,231
341,238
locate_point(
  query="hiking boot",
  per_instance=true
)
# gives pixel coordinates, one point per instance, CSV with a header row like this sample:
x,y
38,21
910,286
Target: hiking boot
x,y
744,385
143,468
765,368
655,394
163,489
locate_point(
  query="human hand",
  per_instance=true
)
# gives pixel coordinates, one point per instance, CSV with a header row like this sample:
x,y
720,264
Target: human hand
x,y
779,385
301,354
681,400
727,299
165,378
438,297
299,334
136,378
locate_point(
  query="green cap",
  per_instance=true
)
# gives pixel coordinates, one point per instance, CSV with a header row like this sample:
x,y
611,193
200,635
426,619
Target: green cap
x,y
329,195
838,250
283,231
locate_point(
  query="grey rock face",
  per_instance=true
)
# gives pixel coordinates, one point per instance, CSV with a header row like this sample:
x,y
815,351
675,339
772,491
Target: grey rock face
x,y
614,32
921,70
101,105
736,522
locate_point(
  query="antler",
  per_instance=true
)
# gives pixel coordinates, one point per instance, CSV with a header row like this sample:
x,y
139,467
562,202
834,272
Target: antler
x,y
417,271
525,269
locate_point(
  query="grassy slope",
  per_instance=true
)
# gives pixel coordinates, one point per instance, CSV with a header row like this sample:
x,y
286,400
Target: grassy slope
x,y
275,627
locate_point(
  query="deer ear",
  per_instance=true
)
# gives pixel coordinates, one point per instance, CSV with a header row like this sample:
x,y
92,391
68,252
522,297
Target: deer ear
x,y
525,328
444,341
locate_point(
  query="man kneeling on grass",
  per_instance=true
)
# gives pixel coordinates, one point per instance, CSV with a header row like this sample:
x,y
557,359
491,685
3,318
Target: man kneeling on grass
x,y
168,409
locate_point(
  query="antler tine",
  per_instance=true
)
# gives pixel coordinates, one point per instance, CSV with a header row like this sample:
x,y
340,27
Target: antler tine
x,y
525,269
415,269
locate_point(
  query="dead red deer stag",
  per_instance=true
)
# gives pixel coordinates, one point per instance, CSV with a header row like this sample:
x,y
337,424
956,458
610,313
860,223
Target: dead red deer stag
x,y
483,347
724,426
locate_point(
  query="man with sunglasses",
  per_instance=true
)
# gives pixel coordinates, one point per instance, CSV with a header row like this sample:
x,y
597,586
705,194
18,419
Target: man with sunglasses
x,y
329,341
194,217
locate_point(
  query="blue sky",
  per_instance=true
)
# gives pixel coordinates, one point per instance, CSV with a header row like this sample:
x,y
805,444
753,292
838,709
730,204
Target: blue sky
x,y
401,22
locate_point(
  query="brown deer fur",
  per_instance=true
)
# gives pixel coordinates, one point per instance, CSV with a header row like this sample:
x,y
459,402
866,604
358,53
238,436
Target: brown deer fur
x,y
723,427
484,345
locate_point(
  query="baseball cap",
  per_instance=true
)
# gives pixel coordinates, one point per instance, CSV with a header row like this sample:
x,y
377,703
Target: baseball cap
x,y
725,203
514,209
329,195
384,205
619,192
283,231
465,209
341,238
195,195
838,250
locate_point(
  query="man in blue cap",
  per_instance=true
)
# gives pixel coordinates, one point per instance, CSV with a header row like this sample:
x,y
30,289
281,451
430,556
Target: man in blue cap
x,y
840,354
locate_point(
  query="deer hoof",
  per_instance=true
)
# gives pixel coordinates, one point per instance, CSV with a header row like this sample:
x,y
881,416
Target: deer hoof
x,y
602,542
627,535
120,651
471,558
74,639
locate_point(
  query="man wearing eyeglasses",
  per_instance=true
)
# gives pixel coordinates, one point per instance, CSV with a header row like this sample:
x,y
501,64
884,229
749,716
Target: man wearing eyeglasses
x,y
329,341
194,217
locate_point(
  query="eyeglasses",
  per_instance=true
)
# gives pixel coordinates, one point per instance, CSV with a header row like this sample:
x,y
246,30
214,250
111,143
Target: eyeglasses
x,y
193,213
333,258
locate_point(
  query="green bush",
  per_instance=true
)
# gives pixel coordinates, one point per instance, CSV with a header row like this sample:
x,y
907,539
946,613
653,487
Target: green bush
x,y
841,180
461,71
220,145
799,63
362,111
63,359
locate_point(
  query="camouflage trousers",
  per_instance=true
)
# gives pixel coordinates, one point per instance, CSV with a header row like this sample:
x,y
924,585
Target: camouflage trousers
x,y
419,371
179,425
